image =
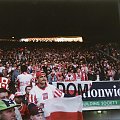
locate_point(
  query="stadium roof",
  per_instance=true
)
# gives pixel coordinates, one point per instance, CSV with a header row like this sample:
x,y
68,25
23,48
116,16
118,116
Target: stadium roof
x,y
91,19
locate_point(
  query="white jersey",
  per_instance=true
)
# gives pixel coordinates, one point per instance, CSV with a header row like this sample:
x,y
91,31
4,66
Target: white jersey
x,y
69,77
38,95
24,80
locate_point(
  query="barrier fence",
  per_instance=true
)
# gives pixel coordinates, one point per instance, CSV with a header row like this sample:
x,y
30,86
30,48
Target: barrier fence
x,y
95,95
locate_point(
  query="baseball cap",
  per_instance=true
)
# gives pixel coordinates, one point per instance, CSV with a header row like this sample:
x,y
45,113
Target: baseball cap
x,y
7,104
33,109
18,94
40,73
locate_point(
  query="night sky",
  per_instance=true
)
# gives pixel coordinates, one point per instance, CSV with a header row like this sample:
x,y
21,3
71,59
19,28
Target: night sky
x,y
92,19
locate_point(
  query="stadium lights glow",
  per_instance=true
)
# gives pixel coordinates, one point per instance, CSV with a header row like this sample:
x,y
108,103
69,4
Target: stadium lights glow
x,y
24,40
53,39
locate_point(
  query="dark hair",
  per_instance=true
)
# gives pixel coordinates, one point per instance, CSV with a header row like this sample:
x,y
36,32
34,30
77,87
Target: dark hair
x,y
23,68
1,75
33,109
3,90
27,87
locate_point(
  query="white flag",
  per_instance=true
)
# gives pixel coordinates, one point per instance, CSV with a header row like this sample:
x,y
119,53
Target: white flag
x,y
64,108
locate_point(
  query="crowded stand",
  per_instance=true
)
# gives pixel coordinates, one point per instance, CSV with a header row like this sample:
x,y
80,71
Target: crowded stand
x,y
22,65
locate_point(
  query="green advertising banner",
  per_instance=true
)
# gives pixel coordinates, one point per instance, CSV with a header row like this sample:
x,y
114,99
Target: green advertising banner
x,y
101,103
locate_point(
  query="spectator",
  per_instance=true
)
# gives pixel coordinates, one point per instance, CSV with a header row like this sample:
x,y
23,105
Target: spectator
x,y
7,109
4,94
23,80
27,91
19,99
1,67
69,77
43,91
52,77
35,112
15,73
110,73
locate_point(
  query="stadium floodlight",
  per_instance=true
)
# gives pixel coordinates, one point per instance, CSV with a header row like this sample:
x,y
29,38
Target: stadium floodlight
x,y
23,40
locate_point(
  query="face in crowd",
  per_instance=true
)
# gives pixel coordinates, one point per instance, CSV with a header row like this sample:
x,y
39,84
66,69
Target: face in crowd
x,y
8,114
37,117
42,79
27,89
3,93
7,109
35,112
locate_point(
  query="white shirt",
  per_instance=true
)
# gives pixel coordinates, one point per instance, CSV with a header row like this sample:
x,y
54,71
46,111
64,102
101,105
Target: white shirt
x,y
38,95
24,80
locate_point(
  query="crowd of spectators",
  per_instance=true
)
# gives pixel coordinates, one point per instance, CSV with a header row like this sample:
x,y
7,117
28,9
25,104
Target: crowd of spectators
x,y
61,62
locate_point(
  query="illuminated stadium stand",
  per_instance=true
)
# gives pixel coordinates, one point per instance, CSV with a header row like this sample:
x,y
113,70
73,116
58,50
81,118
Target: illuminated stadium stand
x,y
53,39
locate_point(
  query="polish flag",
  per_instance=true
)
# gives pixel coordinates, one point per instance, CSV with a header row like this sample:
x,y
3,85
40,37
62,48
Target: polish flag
x,y
64,108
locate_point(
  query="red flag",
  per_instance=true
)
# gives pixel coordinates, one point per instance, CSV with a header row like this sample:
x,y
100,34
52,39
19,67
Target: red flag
x,y
4,82
64,108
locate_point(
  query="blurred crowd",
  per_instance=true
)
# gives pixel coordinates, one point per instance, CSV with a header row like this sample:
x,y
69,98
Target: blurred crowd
x,y
21,63
61,61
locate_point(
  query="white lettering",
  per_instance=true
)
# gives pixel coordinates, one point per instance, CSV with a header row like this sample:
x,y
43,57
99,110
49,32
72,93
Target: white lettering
x,y
118,92
89,94
101,93
109,92
94,93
